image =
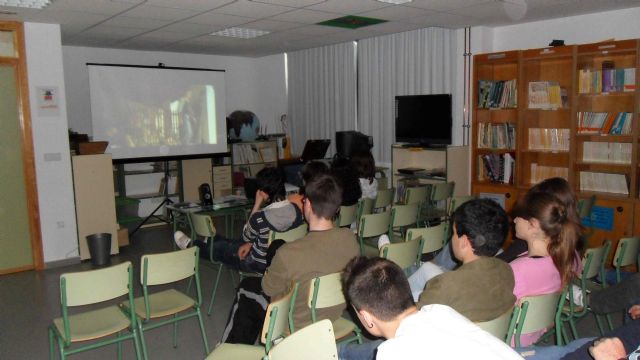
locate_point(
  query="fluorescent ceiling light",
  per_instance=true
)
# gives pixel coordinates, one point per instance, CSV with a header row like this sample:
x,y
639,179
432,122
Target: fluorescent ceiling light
x,y
242,33
395,2
33,4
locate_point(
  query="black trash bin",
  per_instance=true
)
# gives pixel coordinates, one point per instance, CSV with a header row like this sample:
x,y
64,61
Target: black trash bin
x,y
99,248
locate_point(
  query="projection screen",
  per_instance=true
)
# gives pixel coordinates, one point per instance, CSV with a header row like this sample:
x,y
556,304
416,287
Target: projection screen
x,y
157,112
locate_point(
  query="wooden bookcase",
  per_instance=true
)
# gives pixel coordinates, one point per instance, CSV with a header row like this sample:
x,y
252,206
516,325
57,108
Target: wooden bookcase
x,y
561,137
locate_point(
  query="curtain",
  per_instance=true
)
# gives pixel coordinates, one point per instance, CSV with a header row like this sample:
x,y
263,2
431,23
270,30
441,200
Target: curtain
x,y
408,63
322,93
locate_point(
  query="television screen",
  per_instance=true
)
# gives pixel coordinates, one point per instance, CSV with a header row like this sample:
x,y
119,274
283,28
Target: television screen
x,y
424,119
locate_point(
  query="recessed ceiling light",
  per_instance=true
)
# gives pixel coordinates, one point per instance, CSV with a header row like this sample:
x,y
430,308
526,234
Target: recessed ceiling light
x,y
33,4
395,2
242,33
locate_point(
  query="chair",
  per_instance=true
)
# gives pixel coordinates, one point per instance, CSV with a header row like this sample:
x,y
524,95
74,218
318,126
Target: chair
x,y
592,267
501,326
537,313
383,200
437,206
326,291
372,226
456,201
347,215
416,195
92,287
401,217
290,235
316,342
626,254
365,207
405,254
433,237
584,211
166,268
274,328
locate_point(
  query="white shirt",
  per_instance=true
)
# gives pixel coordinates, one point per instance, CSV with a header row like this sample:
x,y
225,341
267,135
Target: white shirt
x,y
439,332
369,189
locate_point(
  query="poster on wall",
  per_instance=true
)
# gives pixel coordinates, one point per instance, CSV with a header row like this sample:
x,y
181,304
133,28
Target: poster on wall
x,y
48,100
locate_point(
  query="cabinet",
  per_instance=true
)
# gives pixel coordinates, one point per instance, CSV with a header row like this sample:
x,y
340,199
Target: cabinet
x,y
94,199
447,164
248,158
576,117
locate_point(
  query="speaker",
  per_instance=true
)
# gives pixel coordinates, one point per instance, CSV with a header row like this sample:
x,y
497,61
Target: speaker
x,y
205,194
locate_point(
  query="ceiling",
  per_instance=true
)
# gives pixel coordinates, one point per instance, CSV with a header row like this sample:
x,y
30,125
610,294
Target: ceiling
x,y
185,25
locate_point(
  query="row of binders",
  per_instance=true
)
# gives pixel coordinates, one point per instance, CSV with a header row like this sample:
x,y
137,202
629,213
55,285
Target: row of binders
x,y
542,172
604,182
606,80
549,139
497,168
497,136
547,95
604,123
606,152
497,94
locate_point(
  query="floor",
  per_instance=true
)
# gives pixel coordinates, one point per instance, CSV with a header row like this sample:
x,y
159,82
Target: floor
x,y
29,300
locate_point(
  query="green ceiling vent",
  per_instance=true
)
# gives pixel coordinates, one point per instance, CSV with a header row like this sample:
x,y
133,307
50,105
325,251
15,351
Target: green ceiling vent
x,y
352,22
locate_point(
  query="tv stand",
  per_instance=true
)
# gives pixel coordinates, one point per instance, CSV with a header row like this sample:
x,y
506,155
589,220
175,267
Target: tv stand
x,y
424,146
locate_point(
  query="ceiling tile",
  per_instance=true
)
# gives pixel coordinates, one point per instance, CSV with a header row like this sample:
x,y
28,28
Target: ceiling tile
x,y
215,19
348,7
16,13
75,19
160,12
391,27
198,5
397,12
493,11
305,16
271,25
290,3
445,20
315,30
445,5
136,22
163,36
104,7
190,28
252,9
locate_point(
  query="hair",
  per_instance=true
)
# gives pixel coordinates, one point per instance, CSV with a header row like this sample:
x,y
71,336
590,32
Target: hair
x,y
271,181
485,224
561,189
347,177
377,285
364,164
312,169
555,222
325,195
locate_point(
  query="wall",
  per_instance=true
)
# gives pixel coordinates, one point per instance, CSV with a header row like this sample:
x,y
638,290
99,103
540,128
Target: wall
x,y
51,144
618,24
251,84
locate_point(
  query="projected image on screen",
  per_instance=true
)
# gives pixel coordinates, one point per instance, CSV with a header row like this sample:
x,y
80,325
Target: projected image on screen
x,y
151,112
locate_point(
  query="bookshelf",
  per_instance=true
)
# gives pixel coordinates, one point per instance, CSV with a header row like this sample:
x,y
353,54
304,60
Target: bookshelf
x,y
575,117
248,158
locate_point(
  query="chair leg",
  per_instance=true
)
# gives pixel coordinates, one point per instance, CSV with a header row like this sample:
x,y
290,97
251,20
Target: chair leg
x,y
599,323
215,289
136,343
142,342
572,325
609,321
51,343
119,346
175,331
202,331
61,347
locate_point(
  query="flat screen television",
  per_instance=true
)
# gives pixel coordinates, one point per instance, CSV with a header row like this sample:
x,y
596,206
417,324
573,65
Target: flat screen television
x,y
424,120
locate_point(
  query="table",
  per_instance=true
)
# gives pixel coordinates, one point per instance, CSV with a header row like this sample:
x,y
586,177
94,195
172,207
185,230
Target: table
x,y
226,206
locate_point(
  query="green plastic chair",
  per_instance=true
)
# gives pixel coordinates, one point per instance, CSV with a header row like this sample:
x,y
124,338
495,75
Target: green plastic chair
x,y
584,211
370,228
347,215
291,235
501,326
92,287
316,342
274,328
438,204
326,291
433,237
626,254
364,207
402,216
416,195
404,254
383,200
539,312
166,268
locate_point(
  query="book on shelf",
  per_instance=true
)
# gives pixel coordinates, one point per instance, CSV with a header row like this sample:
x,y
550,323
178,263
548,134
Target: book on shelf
x,y
604,123
497,135
606,80
498,168
604,182
549,139
606,152
542,172
497,94
546,95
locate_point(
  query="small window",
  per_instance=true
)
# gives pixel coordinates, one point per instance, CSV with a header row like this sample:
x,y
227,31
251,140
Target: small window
x,y
7,44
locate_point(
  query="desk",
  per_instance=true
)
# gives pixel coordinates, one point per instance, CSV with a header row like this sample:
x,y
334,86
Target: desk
x,y
227,206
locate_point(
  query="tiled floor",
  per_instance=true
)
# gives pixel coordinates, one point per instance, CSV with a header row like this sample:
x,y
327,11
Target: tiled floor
x,y
29,300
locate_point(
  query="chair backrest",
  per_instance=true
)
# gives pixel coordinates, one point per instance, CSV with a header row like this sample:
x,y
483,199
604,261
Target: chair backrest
x,y
403,215
433,237
384,198
537,313
456,201
325,291
442,191
314,342
374,224
405,254
203,225
290,235
627,251
499,327
592,261
347,215
383,183
94,286
416,194
276,321
365,207
169,267
585,206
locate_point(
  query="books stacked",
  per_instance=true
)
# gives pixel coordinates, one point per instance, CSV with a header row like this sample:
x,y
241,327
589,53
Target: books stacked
x,y
606,80
541,172
253,153
547,95
606,152
497,94
497,135
604,123
549,139
498,168
604,182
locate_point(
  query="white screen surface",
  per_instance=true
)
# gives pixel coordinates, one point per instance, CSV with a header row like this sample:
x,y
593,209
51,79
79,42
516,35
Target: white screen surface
x,y
157,112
